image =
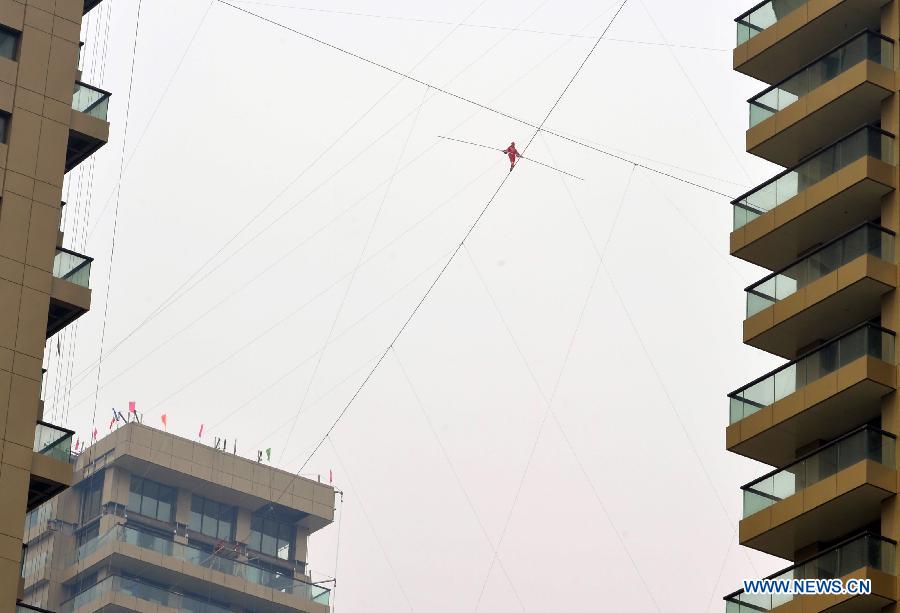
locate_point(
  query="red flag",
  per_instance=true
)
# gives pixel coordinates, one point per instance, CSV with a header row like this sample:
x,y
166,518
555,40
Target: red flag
x,y
201,432
112,422
77,443
131,408
164,420
330,476
95,434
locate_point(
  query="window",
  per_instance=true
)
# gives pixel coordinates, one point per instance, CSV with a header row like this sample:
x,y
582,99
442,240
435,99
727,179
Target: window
x,y
4,126
271,536
152,499
91,497
87,535
9,43
212,518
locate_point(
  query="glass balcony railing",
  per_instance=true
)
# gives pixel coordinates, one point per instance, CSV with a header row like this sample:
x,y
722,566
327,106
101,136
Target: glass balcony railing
x,y
762,16
72,267
53,441
867,239
865,340
867,45
867,141
193,555
865,550
90,100
142,591
866,443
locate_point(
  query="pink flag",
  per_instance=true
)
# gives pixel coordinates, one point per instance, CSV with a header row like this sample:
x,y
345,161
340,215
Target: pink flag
x,y
112,422
330,476
77,443
201,432
95,434
131,408
164,420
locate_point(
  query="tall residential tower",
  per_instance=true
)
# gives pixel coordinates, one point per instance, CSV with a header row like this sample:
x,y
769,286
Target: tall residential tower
x,y
827,420
49,123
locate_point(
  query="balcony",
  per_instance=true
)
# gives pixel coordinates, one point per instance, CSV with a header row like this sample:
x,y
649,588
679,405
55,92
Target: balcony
x,y
815,497
70,294
127,594
89,129
821,394
838,187
826,291
150,556
51,468
866,556
776,37
822,101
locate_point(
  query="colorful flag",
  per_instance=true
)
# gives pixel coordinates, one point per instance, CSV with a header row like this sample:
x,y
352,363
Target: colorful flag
x,y
269,454
131,407
164,420
112,422
201,432
95,434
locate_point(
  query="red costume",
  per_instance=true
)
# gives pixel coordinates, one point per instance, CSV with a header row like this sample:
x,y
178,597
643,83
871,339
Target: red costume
x,y
513,154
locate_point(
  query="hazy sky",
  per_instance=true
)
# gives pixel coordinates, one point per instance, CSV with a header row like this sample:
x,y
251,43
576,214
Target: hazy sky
x,y
564,415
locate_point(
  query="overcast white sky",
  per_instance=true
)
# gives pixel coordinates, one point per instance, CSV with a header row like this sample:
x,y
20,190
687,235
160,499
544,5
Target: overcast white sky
x,y
629,498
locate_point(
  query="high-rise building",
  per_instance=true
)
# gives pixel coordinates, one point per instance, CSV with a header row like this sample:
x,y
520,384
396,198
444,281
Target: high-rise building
x,y
49,123
155,522
827,420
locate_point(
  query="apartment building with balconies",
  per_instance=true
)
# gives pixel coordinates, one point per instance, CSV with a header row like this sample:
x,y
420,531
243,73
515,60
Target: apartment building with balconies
x,y
827,420
156,522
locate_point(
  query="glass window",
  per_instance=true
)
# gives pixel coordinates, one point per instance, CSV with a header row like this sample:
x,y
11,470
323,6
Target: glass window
x,y
152,499
212,518
270,536
9,43
4,127
91,497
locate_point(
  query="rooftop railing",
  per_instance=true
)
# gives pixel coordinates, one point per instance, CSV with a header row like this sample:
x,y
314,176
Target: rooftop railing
x,y
865,550
866,443
866,141
53,441
763,15
864,340
867,45
90,100
193,555
867,239
72,267
142,591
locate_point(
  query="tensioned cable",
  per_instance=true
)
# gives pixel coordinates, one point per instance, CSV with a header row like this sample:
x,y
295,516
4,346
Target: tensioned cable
x,y
447,264
465,142
93,224
461,244
461,97
653,367
548,402
137,27
459,482
362,254
468,25
166,304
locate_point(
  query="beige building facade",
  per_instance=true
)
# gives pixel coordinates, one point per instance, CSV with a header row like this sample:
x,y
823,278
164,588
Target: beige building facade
x,y
49,123
827,420
155,522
